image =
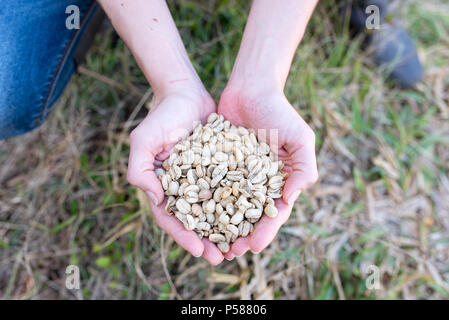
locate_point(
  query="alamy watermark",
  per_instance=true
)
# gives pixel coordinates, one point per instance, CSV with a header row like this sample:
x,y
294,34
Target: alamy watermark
x,y
372,275
72,280
373,19
73,20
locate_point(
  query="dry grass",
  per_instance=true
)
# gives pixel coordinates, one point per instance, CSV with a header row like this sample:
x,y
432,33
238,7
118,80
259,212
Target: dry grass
x,y
382,197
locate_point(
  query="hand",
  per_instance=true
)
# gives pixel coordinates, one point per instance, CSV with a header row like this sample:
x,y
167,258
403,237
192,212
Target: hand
x,y
295,147
170,120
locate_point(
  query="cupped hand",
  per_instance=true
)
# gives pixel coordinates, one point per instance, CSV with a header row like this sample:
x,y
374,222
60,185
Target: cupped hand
x,y
171,119
279,124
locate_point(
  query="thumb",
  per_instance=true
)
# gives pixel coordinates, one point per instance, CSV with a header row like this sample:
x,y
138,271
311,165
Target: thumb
x,y
292,188
141,171
304,170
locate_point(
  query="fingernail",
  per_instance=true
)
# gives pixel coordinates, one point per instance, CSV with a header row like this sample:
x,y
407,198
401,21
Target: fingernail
x,y
153,198
293,197
196,255
254,252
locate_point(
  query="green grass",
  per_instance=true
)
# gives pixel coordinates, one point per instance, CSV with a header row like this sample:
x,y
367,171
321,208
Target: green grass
x,y
382,196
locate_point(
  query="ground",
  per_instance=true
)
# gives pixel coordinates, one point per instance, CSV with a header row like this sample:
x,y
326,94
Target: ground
x,y
379,210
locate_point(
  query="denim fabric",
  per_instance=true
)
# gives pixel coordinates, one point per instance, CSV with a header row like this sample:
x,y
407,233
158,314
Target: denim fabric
x,y
36,59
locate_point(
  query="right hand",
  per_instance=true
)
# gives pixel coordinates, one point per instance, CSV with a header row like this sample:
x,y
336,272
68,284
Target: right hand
x,y
259,107
171,120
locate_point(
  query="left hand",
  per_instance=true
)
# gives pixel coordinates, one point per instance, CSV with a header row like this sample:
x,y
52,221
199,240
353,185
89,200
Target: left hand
x,y
171,119
295,147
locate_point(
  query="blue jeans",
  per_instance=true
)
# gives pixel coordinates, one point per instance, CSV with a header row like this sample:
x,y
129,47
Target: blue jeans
x,y
36,59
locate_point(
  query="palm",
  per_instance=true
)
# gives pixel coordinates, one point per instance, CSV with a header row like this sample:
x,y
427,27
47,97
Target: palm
x,y
293,141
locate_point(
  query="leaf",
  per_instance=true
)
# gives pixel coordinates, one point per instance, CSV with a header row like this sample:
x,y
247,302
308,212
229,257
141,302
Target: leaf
x,y
358,179
103,262
63,224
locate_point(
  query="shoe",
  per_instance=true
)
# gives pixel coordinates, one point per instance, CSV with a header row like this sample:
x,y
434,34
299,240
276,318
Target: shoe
x,y
390,45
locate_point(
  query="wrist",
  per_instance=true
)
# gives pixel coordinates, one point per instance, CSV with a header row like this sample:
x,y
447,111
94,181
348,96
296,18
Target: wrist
x,y
238,97
249,83
259,66
253,85
187,86
168,73
262,65
194,96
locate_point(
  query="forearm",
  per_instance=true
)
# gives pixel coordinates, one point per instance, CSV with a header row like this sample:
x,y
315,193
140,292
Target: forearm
x,y
272,34
151,34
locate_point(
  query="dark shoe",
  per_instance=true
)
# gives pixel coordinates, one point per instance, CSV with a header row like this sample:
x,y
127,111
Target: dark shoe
x,y
390,45
393,48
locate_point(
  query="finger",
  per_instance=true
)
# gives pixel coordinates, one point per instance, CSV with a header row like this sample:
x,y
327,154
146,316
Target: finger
x,y
303,172
240,246
267,228
229,255
186,239
141,168
211,252
157,163
161,156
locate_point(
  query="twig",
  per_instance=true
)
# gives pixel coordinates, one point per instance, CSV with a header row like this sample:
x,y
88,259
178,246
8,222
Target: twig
x,y
110,82
164,266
